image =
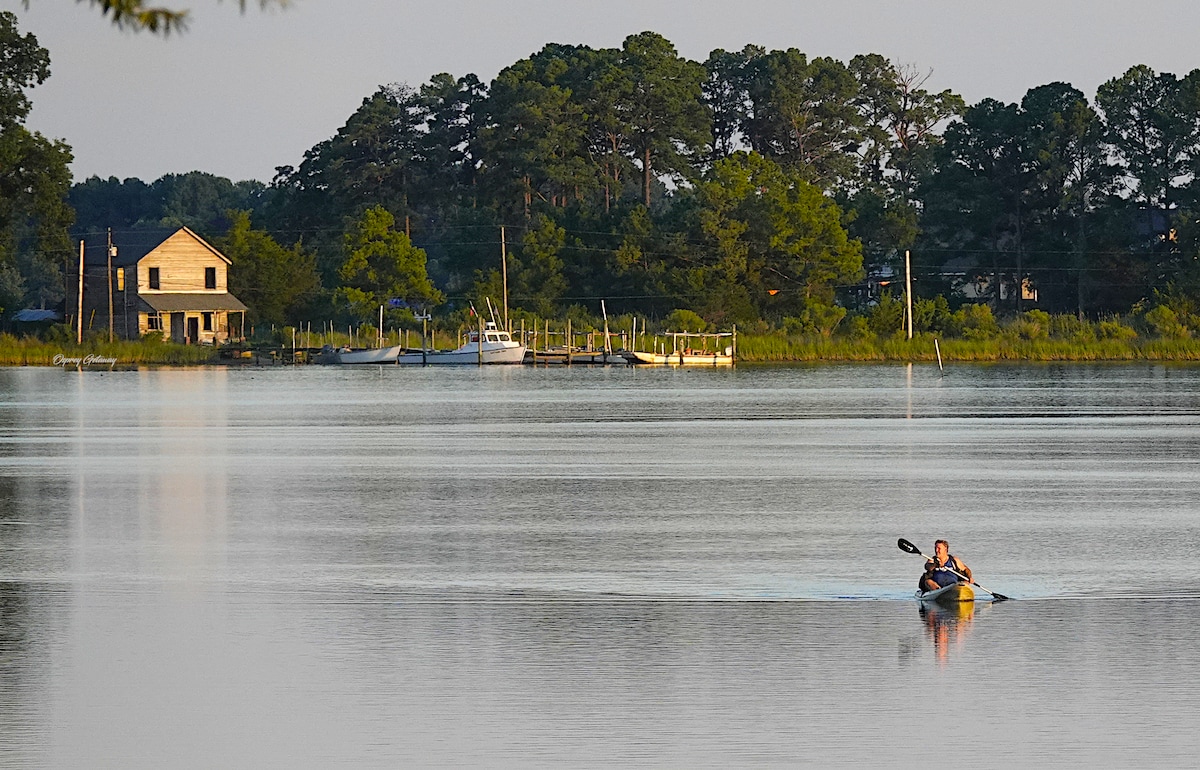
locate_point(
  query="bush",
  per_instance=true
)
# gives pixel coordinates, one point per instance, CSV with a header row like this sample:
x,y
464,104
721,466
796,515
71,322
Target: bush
x,y
974,322
817,318
1032,325
685,321
859,329
1164,322
887,317
931,315
1115,330
795,327
59,334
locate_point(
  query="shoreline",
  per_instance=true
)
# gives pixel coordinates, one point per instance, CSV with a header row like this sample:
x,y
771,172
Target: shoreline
x,y
751,349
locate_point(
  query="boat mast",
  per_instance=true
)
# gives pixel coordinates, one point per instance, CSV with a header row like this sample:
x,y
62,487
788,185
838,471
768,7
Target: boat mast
x,y
504,274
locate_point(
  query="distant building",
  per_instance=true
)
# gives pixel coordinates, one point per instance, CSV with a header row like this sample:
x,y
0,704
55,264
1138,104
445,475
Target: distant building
x,y
167,281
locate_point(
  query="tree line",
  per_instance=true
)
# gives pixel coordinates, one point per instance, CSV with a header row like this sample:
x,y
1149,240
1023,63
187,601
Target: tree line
x,y
760,187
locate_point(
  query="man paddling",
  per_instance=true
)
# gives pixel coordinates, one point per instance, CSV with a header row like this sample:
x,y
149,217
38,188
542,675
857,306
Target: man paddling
x,y
939,571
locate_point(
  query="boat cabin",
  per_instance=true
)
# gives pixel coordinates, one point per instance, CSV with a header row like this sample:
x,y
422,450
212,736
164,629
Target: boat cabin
x,y
490,334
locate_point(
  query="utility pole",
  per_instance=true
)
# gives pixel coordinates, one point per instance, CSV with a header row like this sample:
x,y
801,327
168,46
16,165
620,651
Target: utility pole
x,y
112,252
504,274
79,314
908,289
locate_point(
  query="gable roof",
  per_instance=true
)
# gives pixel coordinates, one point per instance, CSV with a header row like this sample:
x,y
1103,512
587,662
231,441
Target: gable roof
x,y
134,245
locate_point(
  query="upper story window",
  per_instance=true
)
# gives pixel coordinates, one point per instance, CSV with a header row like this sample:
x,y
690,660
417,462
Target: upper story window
x,y
154,281
210,277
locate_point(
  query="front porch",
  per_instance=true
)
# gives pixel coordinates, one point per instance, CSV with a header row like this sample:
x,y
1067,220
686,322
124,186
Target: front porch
x,y
193,319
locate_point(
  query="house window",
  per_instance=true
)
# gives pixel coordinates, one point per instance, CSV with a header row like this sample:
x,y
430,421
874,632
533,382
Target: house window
x,y
207,319
154,282
210,277
154,322
120,279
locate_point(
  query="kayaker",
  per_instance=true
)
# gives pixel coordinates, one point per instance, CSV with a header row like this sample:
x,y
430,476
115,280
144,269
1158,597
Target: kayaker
x,y
938,569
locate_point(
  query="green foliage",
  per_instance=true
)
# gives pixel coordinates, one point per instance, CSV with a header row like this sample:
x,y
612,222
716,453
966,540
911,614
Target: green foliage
x,y
682,320
136,15
275,283
34,180
974,322
1068,327
31,351
381,264
1032,325
25,64
774,234
667,123
825,317
1113,329
1164,322
12,288
746,190
931,315
887,317
1151,125
859,328
59,334
537,282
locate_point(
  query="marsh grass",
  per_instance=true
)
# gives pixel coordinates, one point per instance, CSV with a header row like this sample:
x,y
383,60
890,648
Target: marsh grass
x,y
778,347
31,351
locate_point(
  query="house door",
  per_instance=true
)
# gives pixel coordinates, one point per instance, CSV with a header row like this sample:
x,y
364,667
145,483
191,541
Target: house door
x,y
176,326
193,327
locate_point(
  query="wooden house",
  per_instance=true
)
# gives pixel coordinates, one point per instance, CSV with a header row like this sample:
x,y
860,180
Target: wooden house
x,y
170,282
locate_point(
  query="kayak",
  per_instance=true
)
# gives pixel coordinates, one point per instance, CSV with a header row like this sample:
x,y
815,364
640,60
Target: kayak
x,y
955,592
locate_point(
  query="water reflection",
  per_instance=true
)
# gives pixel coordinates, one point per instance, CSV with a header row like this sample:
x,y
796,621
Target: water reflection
x,y
947,626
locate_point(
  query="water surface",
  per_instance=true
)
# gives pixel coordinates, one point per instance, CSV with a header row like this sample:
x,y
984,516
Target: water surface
x,y
382,566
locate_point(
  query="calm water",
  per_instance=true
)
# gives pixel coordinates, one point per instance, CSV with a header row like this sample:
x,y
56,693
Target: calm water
x,y
515,567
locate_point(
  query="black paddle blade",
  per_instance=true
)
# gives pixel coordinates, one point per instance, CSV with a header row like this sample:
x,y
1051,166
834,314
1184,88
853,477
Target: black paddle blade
x,y
1000,598
907,546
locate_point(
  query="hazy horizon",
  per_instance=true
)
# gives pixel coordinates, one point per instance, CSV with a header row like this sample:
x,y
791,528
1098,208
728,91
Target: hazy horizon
x,y
238,95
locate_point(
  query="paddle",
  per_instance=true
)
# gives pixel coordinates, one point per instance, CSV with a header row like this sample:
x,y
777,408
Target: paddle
x,y
910,548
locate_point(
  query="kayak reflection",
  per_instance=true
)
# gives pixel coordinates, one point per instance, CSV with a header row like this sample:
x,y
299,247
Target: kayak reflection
x,y
947,625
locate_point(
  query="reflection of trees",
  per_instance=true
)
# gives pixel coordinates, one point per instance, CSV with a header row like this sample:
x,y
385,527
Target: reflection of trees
x,y
947,625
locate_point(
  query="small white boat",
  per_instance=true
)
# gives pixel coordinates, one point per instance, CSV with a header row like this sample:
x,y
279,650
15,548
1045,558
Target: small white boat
x,y
683,354
498,348
332,355
681,358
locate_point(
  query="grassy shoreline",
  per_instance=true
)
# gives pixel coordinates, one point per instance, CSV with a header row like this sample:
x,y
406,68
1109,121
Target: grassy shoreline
x,y
777,349
752,349
31,351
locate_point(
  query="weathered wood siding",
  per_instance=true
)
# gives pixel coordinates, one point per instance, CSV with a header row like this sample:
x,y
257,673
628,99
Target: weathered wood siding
x,y
181,261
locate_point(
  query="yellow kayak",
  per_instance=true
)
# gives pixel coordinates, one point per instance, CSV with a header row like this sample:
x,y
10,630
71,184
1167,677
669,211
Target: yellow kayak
x,y
955,592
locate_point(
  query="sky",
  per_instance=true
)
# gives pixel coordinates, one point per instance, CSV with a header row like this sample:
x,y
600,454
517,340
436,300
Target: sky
x,y
239,94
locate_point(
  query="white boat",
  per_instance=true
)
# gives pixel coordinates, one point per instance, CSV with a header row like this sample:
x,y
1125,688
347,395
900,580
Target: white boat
x,y
332,355
682,354
680,358
498,348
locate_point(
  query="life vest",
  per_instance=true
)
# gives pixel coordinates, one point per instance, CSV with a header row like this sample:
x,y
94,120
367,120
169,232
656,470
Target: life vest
x,y
948,567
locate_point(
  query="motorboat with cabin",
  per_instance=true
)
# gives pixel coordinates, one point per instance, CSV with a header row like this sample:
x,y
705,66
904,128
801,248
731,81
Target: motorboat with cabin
x,y
496,347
